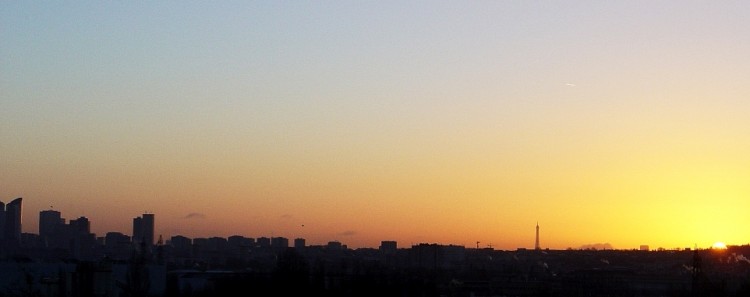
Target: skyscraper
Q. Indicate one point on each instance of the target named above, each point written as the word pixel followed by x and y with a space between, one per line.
pixel 388 247
pixel 51 227
pixel 11 217
pixel 49 223
pixel 279 242
pixel 143 229
pixel 536 244
pixel 2 223
pixel 80 226
pixel 299 243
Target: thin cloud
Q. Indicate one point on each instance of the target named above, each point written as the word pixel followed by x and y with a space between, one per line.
pixel 195 215
pixel 597 246
pixel 348 233
pixel 286 216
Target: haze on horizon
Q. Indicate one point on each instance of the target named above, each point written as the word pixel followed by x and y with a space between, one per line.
pixel 423 121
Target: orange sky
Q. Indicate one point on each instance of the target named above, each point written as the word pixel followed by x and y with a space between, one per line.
pixel 620 123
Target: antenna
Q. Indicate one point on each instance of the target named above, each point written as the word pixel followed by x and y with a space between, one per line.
pixel 536 244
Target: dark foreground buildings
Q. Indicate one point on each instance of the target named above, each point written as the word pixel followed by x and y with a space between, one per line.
pixel 66 260
pixel 240 267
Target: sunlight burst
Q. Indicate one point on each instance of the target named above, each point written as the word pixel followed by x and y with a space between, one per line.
pixel 719 246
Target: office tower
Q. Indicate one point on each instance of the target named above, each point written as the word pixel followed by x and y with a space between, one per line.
pixel 117 246
pixel 240 241
pixel 263 242
pixel 114 239
pixel 181 243
pixel 11 221
pixel 53 232
pixel 137 229
pixel 143 229
pixel 2 223
pixel 49 223
pixel 334 246
pixel 217 244
pixel 148 228
pixel 80 226
pixel 299 243
pixel 388 246
pixel 81 241
pixel 536 245
pixel 279 242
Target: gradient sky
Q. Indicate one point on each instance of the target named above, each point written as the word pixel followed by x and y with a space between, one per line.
pixel 452 122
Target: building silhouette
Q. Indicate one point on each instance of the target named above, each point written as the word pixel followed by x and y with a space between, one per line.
pixel 263 241
pixel 299 243
pixel 117 246
pixel 10 224
pixel 80 240
pixel 388 246
pixel 143 229
pixel 50 224
pixel 118 265
pixel 279 242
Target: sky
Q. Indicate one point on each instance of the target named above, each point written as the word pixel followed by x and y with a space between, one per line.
pixel 450 122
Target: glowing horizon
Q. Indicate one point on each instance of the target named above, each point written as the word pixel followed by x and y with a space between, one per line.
pixel 438 122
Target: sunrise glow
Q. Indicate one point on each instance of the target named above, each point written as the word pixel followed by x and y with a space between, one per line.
pixel 616 123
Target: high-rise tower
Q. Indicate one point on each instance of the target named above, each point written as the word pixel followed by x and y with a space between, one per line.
pixel 143 229
pixel 536 244
pixel 13 211
pixel 2 223
pixel 49 223
pixel 51 228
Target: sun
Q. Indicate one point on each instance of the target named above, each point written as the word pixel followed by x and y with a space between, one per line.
pixel 719 246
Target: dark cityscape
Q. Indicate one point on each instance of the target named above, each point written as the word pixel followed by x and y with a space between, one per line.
pixel 65 259
pixel 375 148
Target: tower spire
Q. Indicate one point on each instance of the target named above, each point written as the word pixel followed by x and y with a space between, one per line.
pixel 536 244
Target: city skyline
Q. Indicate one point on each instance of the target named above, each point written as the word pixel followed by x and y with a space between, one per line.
pixel 622 123
pixel 52 224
